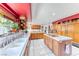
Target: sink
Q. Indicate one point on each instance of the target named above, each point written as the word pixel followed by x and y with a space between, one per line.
pixel 53 35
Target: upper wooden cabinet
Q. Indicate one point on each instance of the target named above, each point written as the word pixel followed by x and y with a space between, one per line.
pixel 69 28
pixel 36 26
pixel 59 29
pixel 76 32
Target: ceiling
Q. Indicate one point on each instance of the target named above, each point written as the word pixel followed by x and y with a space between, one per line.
pixel 18 9
pixel 42 13
pixel 46 13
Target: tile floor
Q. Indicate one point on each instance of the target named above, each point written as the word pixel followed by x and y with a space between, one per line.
pixel 38 48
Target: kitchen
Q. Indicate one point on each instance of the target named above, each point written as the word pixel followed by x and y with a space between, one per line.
pixel 39 29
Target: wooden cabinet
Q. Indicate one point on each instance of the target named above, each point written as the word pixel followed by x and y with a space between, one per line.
pixel 69 28
pixel 36 36
pixel 48 41
pixel 76 30
pixel 45 40
pixel 33 36
pixel 36 26
pixel 50 44
pixel 63 29
pixel 57 47
pixel 59 29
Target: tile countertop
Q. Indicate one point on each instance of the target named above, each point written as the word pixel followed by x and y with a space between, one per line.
pixel 36 31
pixel 16 48
pixel 60 38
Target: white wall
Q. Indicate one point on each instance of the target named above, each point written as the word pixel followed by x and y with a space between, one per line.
pixel 45 13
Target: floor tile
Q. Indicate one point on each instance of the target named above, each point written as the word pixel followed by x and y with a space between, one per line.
pixel 38 48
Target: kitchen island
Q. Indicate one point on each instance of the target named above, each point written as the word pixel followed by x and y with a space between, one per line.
pixel 59 45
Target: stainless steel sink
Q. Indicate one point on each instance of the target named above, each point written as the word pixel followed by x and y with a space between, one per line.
pixel 53 35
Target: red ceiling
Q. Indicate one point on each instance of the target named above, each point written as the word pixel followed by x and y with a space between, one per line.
pixel 18 9
pixel 21 8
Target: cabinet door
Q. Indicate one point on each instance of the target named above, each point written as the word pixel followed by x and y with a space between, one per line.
pixel 37 36
pixel 70 30
pixel 76 34
pixel 59 29
pixel 50 43
pixel 63 29
pixel 45 39
pixel 40 35
pixel 32 36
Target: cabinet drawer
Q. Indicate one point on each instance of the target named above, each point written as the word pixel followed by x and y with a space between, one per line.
pixel 37 36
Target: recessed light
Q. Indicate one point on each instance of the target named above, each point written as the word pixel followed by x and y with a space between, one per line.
pixel 53 14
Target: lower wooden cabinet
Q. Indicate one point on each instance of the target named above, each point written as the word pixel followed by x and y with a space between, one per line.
pixel 48 41
pixel 36 36
pixel 50 44
pixel 57 47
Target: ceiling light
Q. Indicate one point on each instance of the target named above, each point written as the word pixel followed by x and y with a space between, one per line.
pixel 22 17
pixel 53 14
